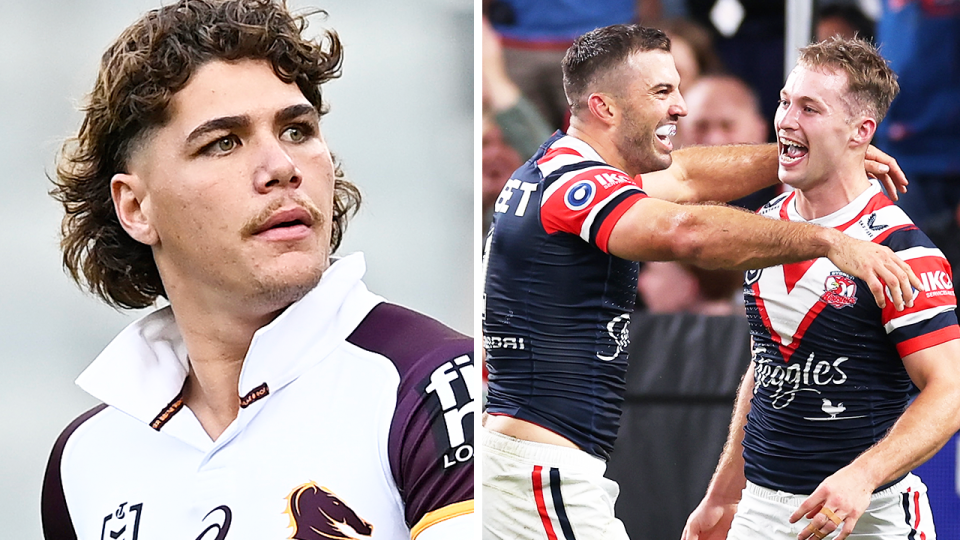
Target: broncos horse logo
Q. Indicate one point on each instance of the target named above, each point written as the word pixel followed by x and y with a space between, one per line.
pixel 317 514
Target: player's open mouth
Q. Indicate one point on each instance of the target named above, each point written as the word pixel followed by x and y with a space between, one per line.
pixel 791 151
pixel 664 133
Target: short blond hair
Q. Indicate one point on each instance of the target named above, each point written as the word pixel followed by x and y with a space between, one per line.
pixel 871 83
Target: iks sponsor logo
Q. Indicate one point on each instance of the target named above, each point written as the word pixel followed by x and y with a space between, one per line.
pixel 451 384
pixel 937 283
pixel 316 513
pixel 618 329
pixel 840 290
pixel 123 523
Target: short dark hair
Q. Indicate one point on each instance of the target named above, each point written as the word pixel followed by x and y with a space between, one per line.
pixel 871 82
pixel 139 74
pixel 597 52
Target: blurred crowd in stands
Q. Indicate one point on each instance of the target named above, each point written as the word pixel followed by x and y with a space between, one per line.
pixel 730 56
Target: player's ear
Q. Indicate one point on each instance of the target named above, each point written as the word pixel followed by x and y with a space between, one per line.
pixel 866 127
pixel 132 204
pixel 602 107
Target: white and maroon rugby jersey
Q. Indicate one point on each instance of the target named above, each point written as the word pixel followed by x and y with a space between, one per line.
pixel 829 379
pixel 557 304
pixel 355 422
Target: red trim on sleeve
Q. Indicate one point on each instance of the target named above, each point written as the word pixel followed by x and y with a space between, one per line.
pixel 933 270
pixel 595 185
pixel 926 341
pixel 603 235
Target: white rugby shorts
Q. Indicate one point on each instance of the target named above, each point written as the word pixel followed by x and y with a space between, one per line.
pixel 899 512
pixel 535 491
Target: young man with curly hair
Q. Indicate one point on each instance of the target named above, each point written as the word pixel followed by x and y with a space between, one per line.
pixel 275 397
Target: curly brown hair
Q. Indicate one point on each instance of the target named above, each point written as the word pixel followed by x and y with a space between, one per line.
pixel 139 74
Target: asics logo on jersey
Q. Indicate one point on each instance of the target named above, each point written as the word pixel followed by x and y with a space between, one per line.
pixel 580 195
pixel 619 331
pixel 445 381
pixel 841 290
pixel 221 527
pixel 789 380
pixel 318 514
pixel 122 524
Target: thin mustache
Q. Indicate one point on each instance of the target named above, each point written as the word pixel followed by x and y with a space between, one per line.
pixel 254 224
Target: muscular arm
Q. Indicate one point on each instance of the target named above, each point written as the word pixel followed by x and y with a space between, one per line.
pixel 724 237
pixel 725 173
pixel 924 427
pixel 714 173
pixel 712 517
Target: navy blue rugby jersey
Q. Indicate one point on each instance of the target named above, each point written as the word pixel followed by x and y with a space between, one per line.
pixel 557 305
pixel 828 369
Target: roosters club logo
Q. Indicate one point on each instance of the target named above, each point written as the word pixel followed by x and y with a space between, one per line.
pixel 840 290
pixel 317 514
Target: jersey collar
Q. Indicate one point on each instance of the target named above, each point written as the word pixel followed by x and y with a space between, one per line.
pixel 141 372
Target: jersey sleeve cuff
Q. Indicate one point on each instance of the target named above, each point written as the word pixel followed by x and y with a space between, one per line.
pixel 603 235
pixel 926 341
pixel 452 521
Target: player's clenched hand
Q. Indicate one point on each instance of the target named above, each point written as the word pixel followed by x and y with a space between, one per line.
pixel 709 521
pixel 886 169
pixel 842 497
pixel 878 266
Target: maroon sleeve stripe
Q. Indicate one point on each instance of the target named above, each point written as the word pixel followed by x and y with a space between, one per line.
pixel 417 345
pixel 54 514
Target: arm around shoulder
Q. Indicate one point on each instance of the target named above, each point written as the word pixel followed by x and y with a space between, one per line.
pixel 714 173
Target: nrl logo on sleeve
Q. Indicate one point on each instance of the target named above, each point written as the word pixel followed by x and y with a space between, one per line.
pixel 840 290
pixel 122 524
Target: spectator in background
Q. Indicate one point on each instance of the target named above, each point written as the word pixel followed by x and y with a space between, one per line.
pixel 921 40
pixel 692 49
pixel 750 46
pixel 843 19
pixel 723 109
pixel 499 160
pixel 673 287
pixel 512 125
pixel 536 33
pixel 945 233
pixel 522 125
